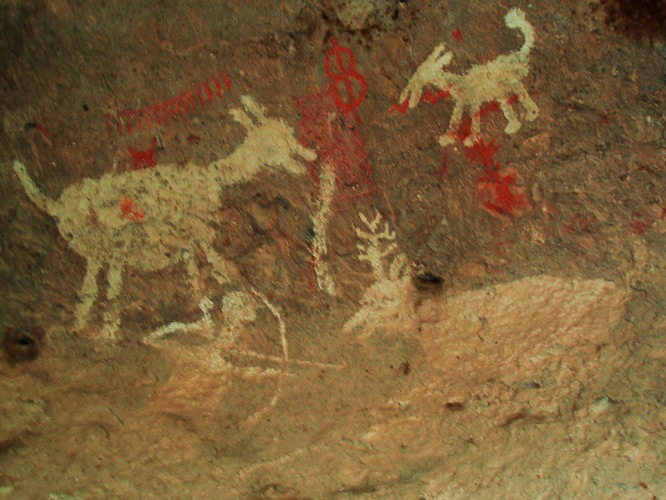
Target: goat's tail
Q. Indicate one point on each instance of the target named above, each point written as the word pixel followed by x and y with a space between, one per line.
pixel 515 19
pixel 33 192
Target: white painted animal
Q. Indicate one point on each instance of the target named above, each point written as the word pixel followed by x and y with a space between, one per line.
pixel 177 206
pixel 495 80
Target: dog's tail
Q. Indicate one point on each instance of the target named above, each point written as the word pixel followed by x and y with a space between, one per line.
pixel 515 19
pixel 33 192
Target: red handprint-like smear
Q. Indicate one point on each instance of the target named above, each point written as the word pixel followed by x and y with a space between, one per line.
pixel 339 144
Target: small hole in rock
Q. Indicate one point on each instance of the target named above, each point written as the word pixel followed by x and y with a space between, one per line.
pixel 22 344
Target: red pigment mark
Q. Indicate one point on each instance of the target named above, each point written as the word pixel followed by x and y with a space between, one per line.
pixel 400 108
pixel 496 189
pixel 427 96
pixel 433 98
pixel 344 75
pixel 42 130
pixel 193 139
pixel 499 195
pixel 325 129
pixel 130 211
pixel 457 35
pixel 144 159
pixel 483 153
pixel 174 108
pixel 639 226
pixel 663 213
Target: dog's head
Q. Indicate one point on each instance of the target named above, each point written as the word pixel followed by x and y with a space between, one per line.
pixel 425 75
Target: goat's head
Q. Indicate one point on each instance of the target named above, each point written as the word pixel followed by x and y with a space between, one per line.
pixel 270 142
pixel 425 75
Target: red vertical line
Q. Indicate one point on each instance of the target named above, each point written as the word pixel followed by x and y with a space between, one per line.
pixel 227 83
pixel 199 95
pixel 218 89
pixel 209 93
pixel 190 97
pixel 159 108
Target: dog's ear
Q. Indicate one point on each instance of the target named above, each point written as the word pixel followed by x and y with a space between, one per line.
pixel 445 59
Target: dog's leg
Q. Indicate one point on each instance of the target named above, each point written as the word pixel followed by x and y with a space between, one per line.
pixel 449 137
pixel 529 105
pixel 514 124
pixel 112 315
pixel 87 294
pixel 475 128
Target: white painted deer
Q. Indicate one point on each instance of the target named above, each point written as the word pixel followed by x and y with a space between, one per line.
pixel 495 80
pixel 177 206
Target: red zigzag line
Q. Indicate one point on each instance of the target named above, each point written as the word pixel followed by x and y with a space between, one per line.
pixel 174 107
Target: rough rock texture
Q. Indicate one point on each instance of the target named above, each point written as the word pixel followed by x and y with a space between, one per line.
pixel 306 249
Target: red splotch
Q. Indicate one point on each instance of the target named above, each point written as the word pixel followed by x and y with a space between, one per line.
pixel 130 211
pixel 496 189
pixel 499 195
pixel 144 159
pixel 193 139
pixel 483 153
pixel 457 35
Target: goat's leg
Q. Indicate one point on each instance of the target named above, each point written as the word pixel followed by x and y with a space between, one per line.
pixel 223 270
pixel 87 294
pixel 475 127
pixel 112 315
pixel 449 137
pixel 509 113
pixel 529 104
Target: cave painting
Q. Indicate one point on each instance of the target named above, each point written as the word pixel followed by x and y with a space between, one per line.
pixel 178 207
pixel 239 310
pixel 498 80
pixel 386 298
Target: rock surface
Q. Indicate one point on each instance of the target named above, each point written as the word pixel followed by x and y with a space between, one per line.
pixel 307 249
